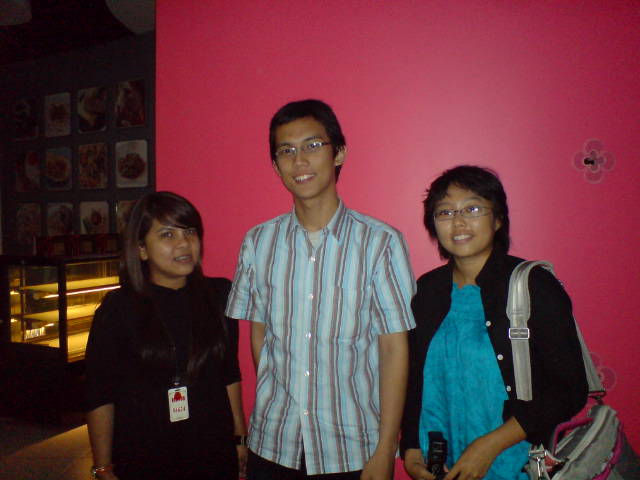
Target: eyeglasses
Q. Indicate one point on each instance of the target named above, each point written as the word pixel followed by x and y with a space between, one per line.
pixel 471 211
pixel 288 151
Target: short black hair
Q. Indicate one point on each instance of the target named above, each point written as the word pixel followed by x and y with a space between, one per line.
pixel 481 181
pixel 315 109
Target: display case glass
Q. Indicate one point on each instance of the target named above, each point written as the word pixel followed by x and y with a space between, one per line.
pixel 52 301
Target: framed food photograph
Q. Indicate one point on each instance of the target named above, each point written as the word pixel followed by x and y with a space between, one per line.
pixel 25 119
pixel 57 115
pixel 27 171
pixel 92 109
pixel 59 218
pixel 123 209
pixel 130 104
pixel 131 164
pixel 94 217
pixel 57 169
pixel 92 166
pixel 28 223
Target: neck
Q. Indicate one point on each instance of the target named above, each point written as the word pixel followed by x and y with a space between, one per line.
pixel 174 284
pixel 466 270
pixel 315 214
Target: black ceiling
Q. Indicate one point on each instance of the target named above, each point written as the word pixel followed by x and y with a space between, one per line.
pixel 58 26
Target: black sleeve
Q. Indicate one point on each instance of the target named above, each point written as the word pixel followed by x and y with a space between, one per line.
pixel 411 415
pixel 559 380
pixel 231 366
pixel 102 357
pixel 419 339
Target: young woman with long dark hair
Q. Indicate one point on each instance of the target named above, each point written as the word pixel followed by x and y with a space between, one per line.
pixel 163 382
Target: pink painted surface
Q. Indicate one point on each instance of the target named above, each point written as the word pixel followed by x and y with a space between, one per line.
pixel 420 87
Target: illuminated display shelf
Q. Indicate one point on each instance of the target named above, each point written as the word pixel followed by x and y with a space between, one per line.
pixel 75 285
pixel 73 313
pixel 51 301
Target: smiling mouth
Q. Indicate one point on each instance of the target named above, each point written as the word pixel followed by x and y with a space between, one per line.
pixel 183 258
pixel 461 237
pixel 303 178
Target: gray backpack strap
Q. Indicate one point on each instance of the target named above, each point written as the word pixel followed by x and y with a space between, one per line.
pixel 519 311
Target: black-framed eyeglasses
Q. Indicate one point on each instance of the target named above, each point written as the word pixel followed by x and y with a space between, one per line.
pixel 470 211
pixel 289 151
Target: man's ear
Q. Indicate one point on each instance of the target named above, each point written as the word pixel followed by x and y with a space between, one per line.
pixel 340 156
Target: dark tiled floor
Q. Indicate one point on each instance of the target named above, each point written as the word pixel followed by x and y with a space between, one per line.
pixel 30 451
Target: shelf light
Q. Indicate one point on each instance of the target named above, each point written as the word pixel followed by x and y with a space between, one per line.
pixel 88 290
pixel 14 292
pixel 50 325
pixel 14 320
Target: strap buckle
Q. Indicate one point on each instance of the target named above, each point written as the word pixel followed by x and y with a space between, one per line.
pixel 518 333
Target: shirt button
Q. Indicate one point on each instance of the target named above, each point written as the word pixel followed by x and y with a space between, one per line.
pixel 311 296
pixel 305 412
pixel 487 323
pixel 508 388
pixel 306 374
pixel 313 259
pixel 500 356
pixel 308 335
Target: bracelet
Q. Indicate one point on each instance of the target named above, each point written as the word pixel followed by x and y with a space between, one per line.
pixel 241 440
pixel 95 470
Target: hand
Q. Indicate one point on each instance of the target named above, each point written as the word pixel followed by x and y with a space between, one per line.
pixel 379 467
pixel 243 453
pixel 475 461
pixel 415 465
pixel 107 476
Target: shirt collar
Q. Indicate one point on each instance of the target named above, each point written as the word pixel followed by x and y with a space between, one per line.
pixel 334 227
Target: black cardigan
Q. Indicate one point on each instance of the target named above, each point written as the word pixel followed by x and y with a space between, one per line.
pixel 558 377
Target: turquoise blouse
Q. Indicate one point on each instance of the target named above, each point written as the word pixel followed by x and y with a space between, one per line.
pixel 463 389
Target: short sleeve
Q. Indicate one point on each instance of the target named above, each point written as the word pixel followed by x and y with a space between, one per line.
pixel 244 300
pixel 394 286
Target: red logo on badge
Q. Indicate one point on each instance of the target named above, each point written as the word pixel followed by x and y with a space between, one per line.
pixel 177 397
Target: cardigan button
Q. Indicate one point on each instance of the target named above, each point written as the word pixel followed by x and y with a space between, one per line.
pixel 487 323
pixel 500 356
pixel 508 388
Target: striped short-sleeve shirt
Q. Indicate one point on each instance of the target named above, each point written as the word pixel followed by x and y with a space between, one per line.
pixel 317 383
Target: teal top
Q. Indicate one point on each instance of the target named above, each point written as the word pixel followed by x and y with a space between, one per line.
pixel 463 391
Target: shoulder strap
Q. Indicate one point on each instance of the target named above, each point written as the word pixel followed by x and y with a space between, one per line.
pixel 519 311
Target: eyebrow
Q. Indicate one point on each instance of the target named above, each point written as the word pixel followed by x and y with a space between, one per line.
pixel 313 137
pixel 473 198
pixel 172 227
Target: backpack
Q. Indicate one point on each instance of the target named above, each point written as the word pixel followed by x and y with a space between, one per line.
pixel 590 448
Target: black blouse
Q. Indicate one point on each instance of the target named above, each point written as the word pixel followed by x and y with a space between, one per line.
pixel 143 434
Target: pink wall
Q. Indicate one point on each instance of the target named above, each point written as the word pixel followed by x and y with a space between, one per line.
pixel 420 87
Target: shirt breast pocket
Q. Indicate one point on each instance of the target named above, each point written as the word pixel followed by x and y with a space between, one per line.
pixel 348 312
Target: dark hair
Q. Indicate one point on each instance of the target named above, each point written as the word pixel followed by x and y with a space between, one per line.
pixel 481 181
pixel 315 109
pixel 208 335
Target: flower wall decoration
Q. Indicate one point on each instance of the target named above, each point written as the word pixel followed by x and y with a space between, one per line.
pixel 593 161
pixel 606 374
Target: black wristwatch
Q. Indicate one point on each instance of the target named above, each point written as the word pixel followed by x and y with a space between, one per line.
pixel 241 440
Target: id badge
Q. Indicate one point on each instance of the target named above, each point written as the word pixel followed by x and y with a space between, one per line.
pixel 178 404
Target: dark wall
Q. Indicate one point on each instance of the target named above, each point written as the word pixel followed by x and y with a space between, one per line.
pixel 105 65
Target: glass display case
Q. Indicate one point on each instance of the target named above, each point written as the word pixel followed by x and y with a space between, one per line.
pixel 49 303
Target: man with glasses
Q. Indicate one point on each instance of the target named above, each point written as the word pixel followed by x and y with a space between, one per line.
pixel 328 293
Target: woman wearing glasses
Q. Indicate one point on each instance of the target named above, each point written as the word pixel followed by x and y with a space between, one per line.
pixel 163 382
pixel 461 372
